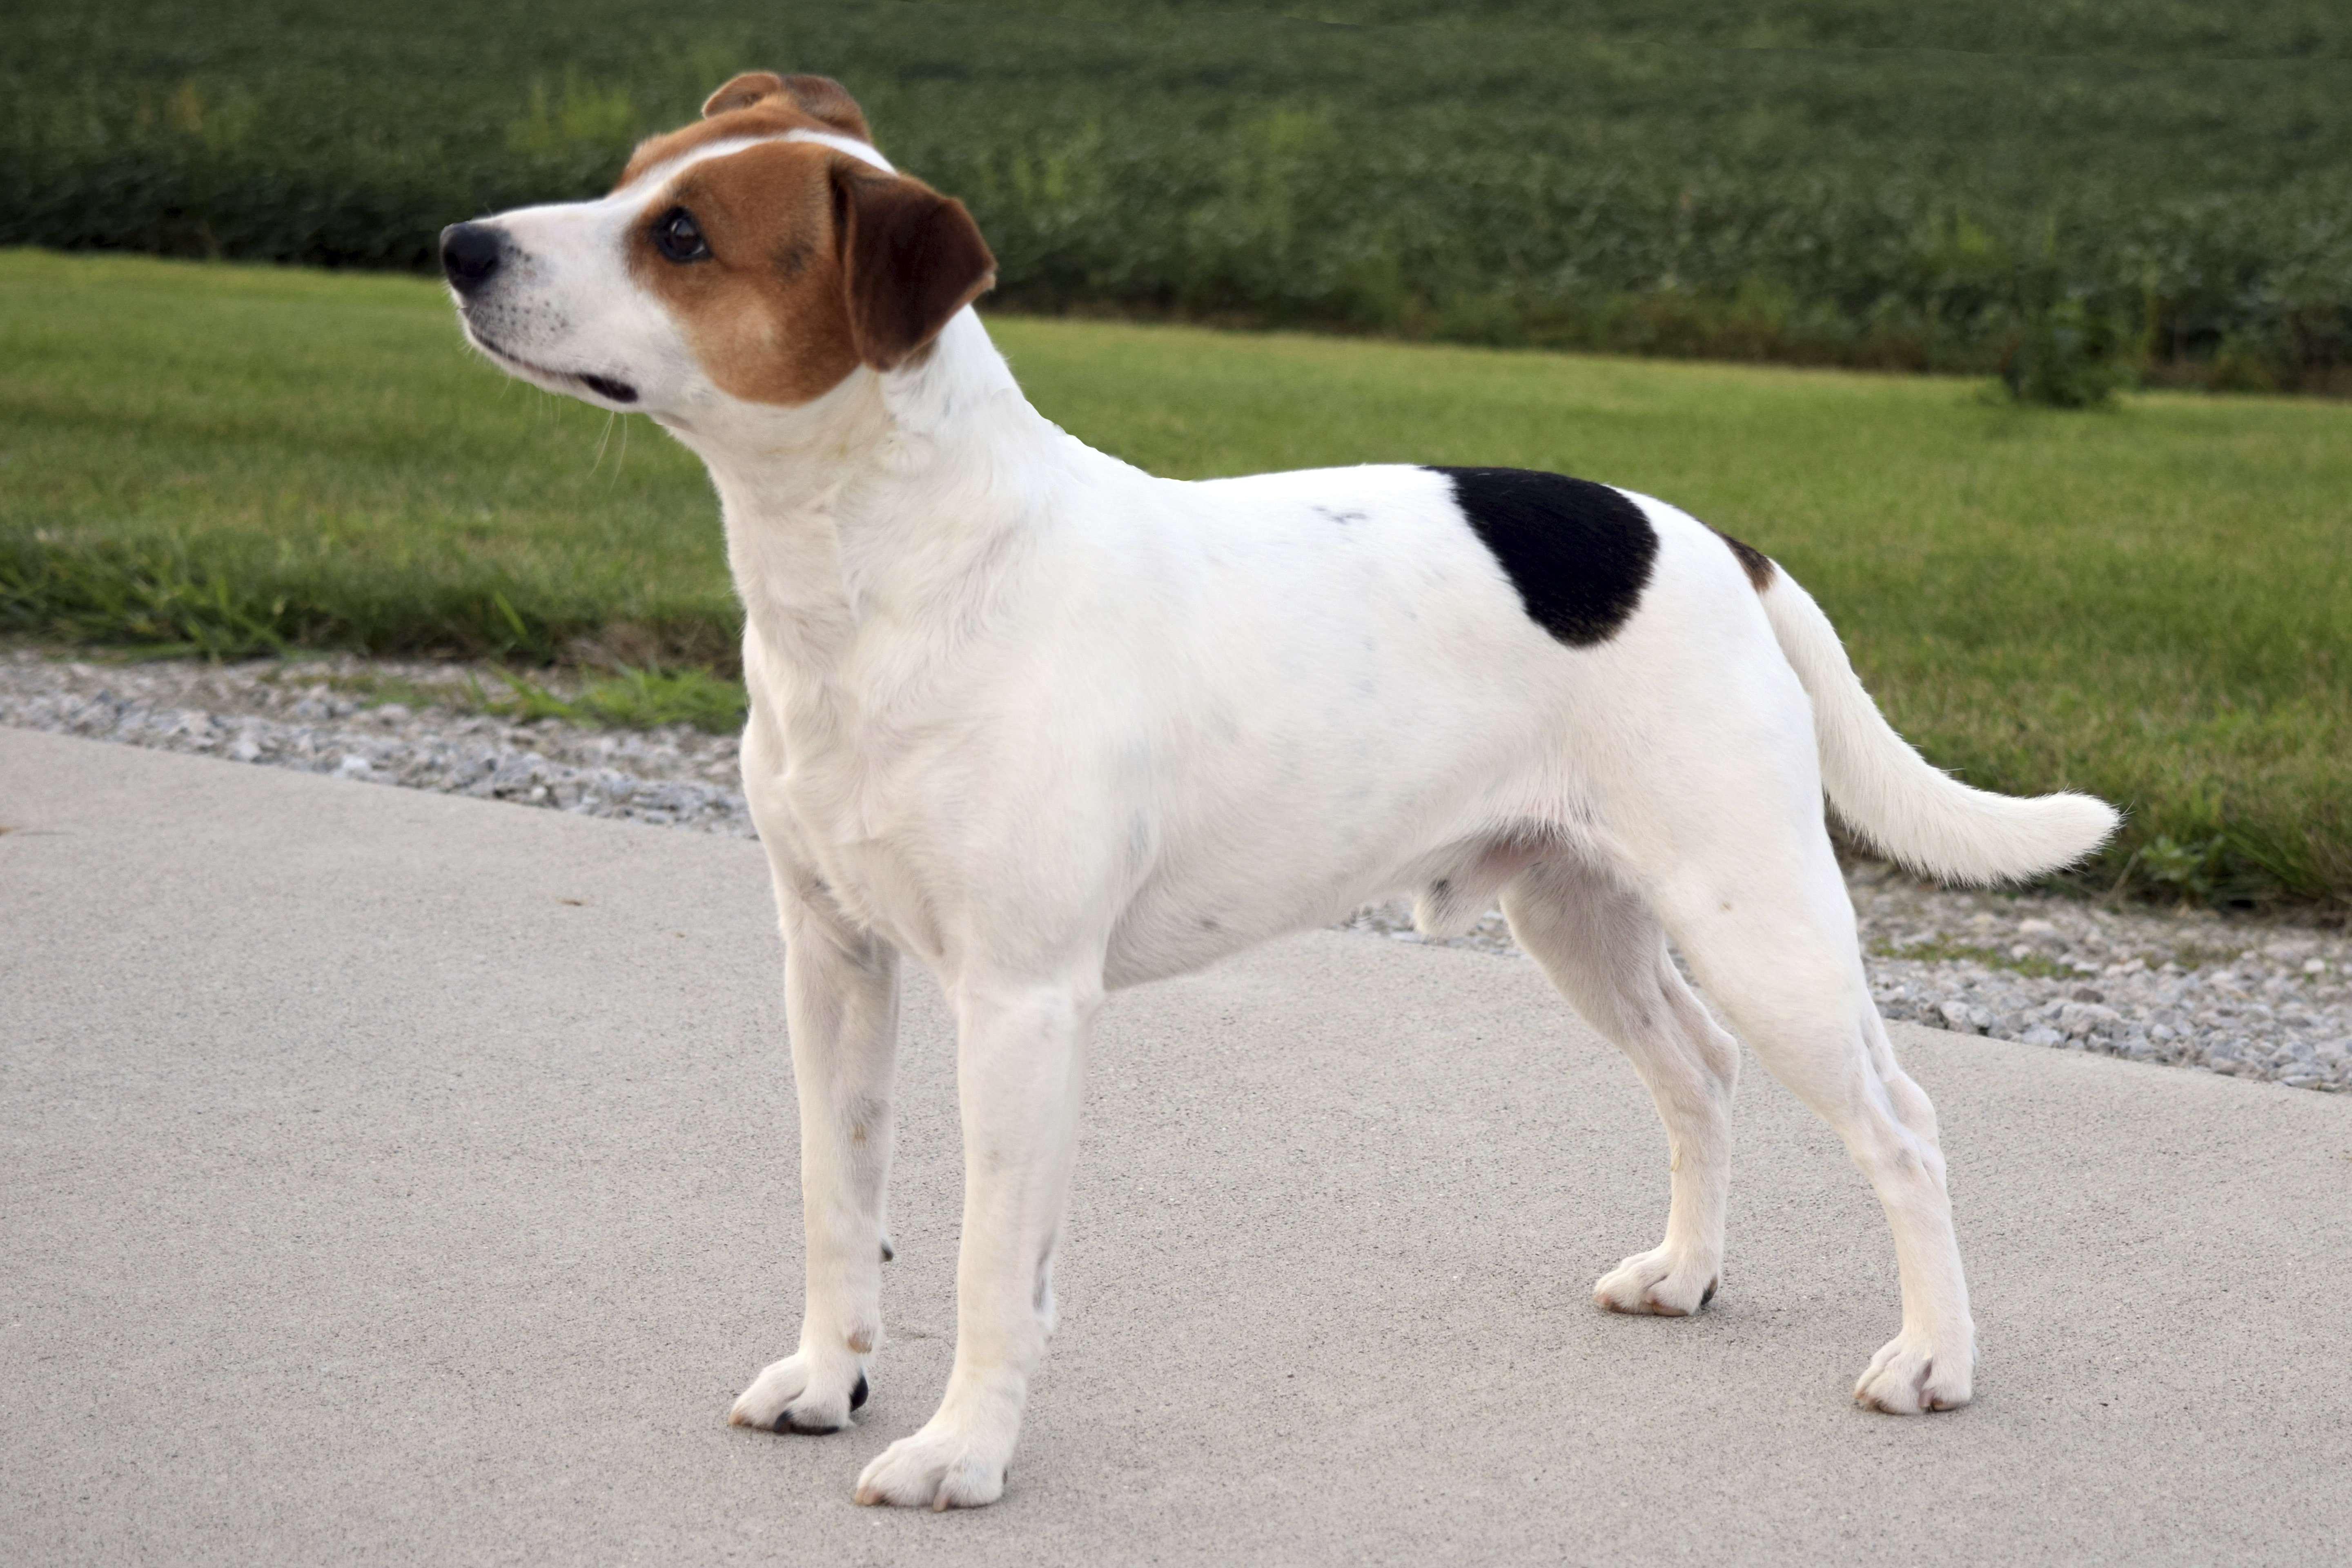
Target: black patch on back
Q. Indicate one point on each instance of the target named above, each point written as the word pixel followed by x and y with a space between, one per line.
pixel 1579 554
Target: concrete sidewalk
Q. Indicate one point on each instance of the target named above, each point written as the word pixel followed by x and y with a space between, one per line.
pixel 392 1176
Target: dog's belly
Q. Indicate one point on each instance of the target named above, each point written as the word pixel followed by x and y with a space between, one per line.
pixel 1341 792
pixel 1162 935
pixel 1174 925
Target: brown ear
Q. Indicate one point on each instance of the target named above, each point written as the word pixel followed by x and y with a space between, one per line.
pixel 910 259
pixel 742 92
pixel 820 97
pixel 823 99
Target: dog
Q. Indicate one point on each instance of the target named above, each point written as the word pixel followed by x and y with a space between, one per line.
pixel 1054 727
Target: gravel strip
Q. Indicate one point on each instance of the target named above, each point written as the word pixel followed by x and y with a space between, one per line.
pixel 2251 997
pixel 328 716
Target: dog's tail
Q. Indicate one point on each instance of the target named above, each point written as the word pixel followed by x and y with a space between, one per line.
pixel 1920 815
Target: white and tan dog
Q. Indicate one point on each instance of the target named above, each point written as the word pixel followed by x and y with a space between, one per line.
pixel 1054 726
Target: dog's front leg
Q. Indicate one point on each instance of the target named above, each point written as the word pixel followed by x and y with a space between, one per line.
pixel 1020 1064
pixel 841 1004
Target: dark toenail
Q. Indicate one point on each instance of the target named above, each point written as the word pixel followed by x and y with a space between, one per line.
pixel 888 1252
pixel 1709 1294
pixel 858 1395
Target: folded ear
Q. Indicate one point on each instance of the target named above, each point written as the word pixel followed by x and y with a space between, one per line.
pixel 910 259
pixel 820 97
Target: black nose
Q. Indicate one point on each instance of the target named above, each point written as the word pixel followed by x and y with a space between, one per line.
pixel 469 254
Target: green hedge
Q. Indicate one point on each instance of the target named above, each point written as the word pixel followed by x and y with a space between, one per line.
pixel 2160 191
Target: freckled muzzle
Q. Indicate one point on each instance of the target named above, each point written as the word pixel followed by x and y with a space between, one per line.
pixel 472 256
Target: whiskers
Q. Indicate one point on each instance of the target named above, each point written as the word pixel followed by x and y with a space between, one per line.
pixel 612 416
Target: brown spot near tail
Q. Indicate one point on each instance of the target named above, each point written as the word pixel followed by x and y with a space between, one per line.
pixel 1752 561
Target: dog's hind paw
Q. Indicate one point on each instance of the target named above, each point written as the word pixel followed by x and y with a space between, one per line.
pixel 1910 1375
pixel 1664 1283
pixel 937 1468
pixel 801 1394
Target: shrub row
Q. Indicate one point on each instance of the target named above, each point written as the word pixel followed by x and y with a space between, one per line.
pixel 2066 220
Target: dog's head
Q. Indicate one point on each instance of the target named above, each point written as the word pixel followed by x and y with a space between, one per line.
pixel 762 255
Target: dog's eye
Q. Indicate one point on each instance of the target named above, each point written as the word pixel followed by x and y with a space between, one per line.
pixel 677 236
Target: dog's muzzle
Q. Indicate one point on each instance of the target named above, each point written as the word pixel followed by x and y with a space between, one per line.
pixel 471 255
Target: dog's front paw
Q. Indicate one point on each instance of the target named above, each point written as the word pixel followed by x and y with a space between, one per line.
pixel 801 1393
pixel 1665 1282
pixel 1910 1375
pixel 941 1467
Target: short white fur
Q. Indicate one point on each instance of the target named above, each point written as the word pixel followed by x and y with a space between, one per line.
pixel 1054 726
pixel 839 144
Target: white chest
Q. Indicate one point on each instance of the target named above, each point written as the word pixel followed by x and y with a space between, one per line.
pixel 855 803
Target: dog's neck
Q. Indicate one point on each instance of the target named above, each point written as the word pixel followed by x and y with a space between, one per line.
pixel 875 503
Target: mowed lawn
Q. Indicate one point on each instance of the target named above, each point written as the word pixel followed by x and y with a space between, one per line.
pixel 2154 602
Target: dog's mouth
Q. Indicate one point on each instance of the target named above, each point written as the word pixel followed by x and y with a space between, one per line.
pixel 603 386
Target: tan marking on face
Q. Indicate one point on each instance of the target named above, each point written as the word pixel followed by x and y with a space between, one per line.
pixel 767 314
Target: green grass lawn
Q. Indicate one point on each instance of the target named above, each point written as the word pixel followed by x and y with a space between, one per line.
pixel 2153 603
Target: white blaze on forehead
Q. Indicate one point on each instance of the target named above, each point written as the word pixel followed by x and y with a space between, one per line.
pixel 669 167
pixel 848 144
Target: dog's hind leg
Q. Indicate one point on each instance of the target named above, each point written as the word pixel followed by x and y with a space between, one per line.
pixel 1779 956
pixel 1020 1061
pixel 1607 954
